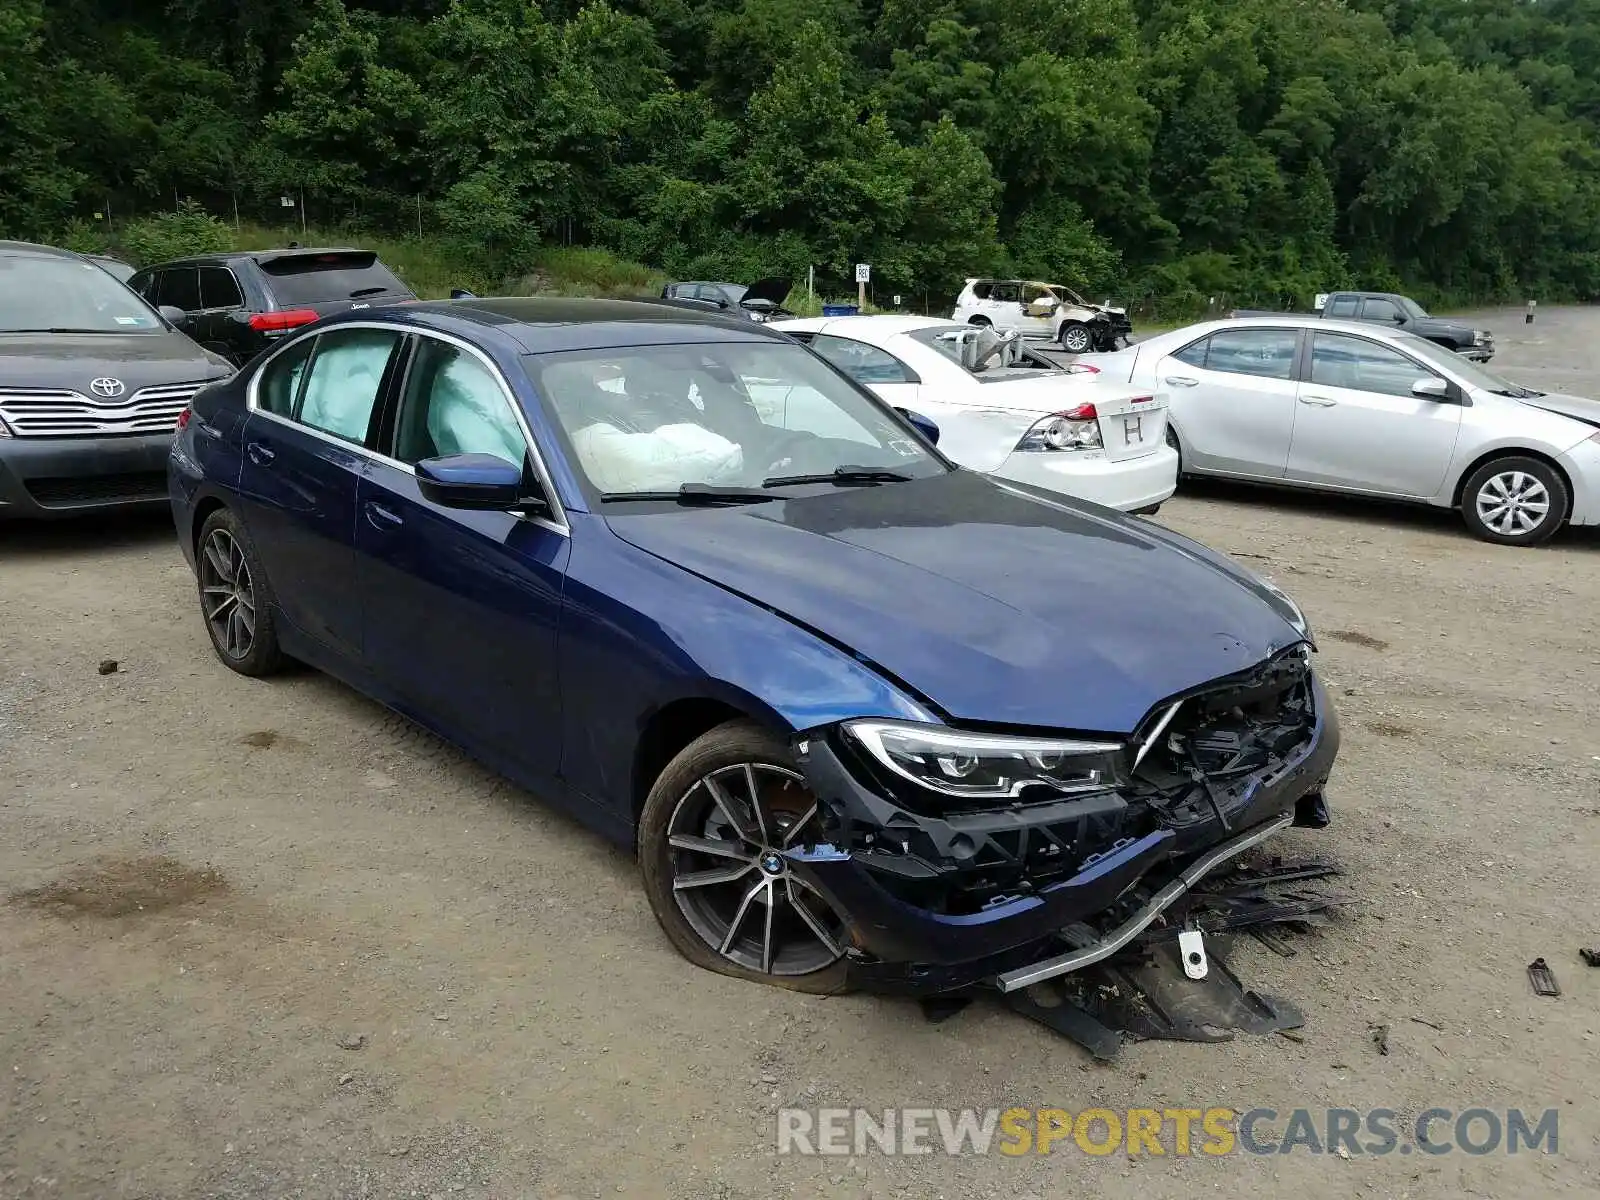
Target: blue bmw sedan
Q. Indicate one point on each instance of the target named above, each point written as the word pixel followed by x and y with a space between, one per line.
pixel 865 717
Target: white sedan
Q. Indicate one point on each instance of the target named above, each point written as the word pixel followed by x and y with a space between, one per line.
pixel 1003 410
pixel 1353 407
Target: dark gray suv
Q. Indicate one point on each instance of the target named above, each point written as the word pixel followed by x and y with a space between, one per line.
pixel 92 383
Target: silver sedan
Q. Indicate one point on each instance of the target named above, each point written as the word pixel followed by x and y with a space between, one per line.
pixel 1348 407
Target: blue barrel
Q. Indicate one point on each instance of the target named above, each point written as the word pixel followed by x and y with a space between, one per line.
pixel 839 310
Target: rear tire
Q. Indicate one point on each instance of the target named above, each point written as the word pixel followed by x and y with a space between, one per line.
pixel 1177 446
pixel 699 822
pixel 1515 501
pixel 236 600
pixel 980 322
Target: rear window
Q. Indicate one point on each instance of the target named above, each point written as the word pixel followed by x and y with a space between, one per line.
pixel 320 278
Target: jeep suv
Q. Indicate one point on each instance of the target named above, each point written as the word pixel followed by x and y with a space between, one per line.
pixel 239 304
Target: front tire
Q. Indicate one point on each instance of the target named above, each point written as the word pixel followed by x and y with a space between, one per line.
pixel 980 322
pixel 1076 338
pixel 711 842
pixel 1177 446
pixel 1515 501
pixel 236 600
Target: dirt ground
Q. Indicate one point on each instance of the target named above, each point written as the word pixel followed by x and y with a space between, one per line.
pixel 262 939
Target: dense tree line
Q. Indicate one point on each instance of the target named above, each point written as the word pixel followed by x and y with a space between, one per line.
pixel 1185 148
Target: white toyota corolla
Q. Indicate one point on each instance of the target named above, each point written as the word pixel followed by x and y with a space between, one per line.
pixel 1005 410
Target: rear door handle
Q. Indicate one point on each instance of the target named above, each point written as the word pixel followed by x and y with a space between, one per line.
pixel 1318 401
pixel 380 517
pixel 259 454
pixel 1182 381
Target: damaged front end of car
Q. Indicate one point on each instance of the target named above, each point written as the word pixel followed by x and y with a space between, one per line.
pixel 962 858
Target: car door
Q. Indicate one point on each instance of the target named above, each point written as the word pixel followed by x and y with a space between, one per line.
pixel 221 299
pixel 179 287
pixel 462 608
pixel 1004 305
pixel 311 415
pixel 1381 311
pixel 1360 425
pixel 1037 324
pixel 1233 400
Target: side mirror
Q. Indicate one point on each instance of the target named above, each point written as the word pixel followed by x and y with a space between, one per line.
pixel 1431 388
pixel 924 425
pixel 175 317
pixel 481 482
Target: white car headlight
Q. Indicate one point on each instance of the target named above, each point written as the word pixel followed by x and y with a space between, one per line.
pixel 1076 429
pixel 983 766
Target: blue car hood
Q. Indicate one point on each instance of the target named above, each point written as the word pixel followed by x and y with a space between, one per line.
pixel 995 603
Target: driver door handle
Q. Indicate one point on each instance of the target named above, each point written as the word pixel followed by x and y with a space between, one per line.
pixel 1318 401
pixel 1182 381
pixel 380 517
pixel 259 454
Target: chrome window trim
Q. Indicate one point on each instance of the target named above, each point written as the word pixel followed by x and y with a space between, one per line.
pixel 557 523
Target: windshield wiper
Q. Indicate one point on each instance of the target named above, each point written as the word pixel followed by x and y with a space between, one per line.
pixel 842 475
pixel 65 329
pixel 367 291
pixel 1517 393
pixel 697 493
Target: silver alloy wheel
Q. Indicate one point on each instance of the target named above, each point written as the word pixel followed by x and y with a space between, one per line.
pixel 1513 503
pixel 227 595
pixel 732 881
pixel 1075 339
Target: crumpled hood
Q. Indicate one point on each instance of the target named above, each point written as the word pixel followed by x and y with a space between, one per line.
pixel 773 290
pixel 71 360
pixel 994 602
pixel 1577 407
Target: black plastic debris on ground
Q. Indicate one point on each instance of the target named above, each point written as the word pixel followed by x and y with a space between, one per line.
pixel 1592 957
pixel 1142 992
pixel 1543 978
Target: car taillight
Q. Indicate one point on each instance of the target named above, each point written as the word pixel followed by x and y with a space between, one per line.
pixel 183 419
pixel 1084 412
pixel 1140 399
pixel 277 322
pixel 1076 429
pixel 1079 368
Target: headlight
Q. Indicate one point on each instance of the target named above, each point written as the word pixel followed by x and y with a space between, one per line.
pixel 1076 429
pixel 983 766
pixel 1481 337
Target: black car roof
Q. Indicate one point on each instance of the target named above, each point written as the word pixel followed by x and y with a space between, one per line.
pixel 547 323
pixel 258 256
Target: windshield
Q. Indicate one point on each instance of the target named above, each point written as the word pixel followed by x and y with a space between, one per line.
pixel 332 276
pixel 1411 308
pixel 650 419
pixel 40 294
pixel 1465 369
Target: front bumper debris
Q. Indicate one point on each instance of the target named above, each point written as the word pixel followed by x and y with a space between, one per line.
pixel 1007 897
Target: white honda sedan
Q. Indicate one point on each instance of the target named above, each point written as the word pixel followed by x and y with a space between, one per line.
pixel 1352 407
pixel 1004 410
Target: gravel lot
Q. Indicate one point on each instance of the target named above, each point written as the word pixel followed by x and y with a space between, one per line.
pixel 211 887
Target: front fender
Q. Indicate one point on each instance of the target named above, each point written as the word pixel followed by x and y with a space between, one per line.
pixel 639 633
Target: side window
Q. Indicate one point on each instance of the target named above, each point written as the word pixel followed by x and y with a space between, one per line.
pixel 341 388
pixel 863 363
pixel 179 287
pixel 453 404
pixel 279 389
pixel 219 289
pixel 1195 353
pixel 1268 353
pixel 980 291
pixel 1342 361
pixel 144 283
pixel 1342 306
pixel 1375 309
pixel 1006 293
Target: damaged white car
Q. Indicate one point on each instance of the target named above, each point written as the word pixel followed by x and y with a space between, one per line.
pixel 1043 311
pixel 1003 409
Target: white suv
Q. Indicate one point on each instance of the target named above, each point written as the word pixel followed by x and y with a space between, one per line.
pixel 1047 311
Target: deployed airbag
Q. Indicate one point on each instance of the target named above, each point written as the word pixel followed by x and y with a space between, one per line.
pixel 660 460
